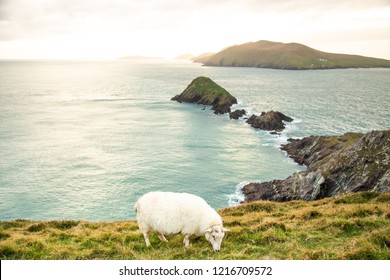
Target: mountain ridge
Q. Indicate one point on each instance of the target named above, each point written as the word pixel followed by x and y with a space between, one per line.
pixel 290 56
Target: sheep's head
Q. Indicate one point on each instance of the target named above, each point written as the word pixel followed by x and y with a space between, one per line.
pixel 215 235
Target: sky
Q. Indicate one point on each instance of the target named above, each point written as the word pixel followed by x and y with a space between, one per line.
pixel 108 29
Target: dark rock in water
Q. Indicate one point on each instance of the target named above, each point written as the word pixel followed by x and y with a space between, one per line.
pixel 335 164
pixel 204 91
pixel 237 114
pixel 271 121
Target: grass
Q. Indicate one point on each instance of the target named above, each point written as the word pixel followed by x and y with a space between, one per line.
pixel 354 226
pixel 203 90
pixel 208 91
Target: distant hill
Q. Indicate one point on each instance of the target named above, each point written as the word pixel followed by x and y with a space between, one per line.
pixel 138 57
pixel 185 56
pixel 266 54
pixel 203 58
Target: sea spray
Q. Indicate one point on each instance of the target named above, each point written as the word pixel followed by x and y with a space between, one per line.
pixel 238 197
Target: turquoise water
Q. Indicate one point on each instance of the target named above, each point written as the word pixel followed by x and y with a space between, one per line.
pixel 83 140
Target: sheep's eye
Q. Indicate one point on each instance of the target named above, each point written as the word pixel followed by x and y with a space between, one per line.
pixel 214 237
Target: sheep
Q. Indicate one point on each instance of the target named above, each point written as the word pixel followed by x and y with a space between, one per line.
pixel 172 213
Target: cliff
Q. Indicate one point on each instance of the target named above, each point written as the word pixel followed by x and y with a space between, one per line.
pixel 203 90
pixel 335 164
pixel 294 56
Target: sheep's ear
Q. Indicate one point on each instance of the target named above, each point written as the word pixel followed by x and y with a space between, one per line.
pixel 209 230
pixel 225 229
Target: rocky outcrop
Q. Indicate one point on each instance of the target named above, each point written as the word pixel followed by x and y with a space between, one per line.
pixel 204 91
pixel 271 121
pixel 237 114
pixel 335 165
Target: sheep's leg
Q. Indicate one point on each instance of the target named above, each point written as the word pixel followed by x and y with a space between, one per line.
pixel 162 237
pixel 186 240
pixel 145 231
pixel 146 237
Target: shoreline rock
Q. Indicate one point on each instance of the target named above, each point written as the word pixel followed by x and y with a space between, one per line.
pixel 352 162
pixel 237 114
pixel 270 121
pixel 203 90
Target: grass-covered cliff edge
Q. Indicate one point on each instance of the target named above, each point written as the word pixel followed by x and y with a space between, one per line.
pixel 353 226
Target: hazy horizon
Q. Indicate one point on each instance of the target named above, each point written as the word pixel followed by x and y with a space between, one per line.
pixel 109 29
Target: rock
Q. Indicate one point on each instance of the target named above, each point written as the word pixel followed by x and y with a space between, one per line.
pixel 203 90
pixel 237 114
pixel 304 185
pixel 271 121
pixel 335 164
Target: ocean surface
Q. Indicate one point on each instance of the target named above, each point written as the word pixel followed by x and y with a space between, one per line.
pixel 84 140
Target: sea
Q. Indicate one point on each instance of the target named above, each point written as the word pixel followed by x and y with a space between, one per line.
pixel 83 140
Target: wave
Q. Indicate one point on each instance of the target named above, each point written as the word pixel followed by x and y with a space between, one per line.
pixel 238 197
pixel 282 136
pixel 241 105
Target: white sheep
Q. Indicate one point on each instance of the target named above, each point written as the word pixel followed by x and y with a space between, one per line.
pixel 172 213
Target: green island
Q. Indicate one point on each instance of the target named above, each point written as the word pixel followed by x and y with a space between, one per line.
pixel 351 226
pixel 205 91
pixel 292 56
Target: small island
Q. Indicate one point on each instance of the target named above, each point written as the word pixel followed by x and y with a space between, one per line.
pixel 237 114
pixel 203 90
pixel 270 121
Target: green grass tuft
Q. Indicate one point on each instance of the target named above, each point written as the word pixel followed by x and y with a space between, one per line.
pixel 63 224
pixel 357 198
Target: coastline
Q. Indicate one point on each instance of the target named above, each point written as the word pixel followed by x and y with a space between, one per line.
pixel 335 165
pixel 358 162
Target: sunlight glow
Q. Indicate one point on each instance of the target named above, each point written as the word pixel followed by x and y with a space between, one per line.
pixel 100 30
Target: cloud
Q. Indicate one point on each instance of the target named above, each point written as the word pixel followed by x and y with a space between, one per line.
pixel 24 19
pixel 317 6
pixel 193 25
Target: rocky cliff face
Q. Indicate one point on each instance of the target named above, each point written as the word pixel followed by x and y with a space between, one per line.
pixel 203 90
pixel 335 164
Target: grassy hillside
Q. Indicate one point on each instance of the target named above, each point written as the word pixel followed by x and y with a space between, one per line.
pixel 355 226
pixel 203 90
pixel 266 54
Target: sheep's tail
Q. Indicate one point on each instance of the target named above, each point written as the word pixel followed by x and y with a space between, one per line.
pixel 136 207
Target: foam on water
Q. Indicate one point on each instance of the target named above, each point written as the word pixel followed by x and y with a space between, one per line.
pixel 237 197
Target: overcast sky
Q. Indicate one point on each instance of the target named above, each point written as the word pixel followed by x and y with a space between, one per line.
pixel 107 29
